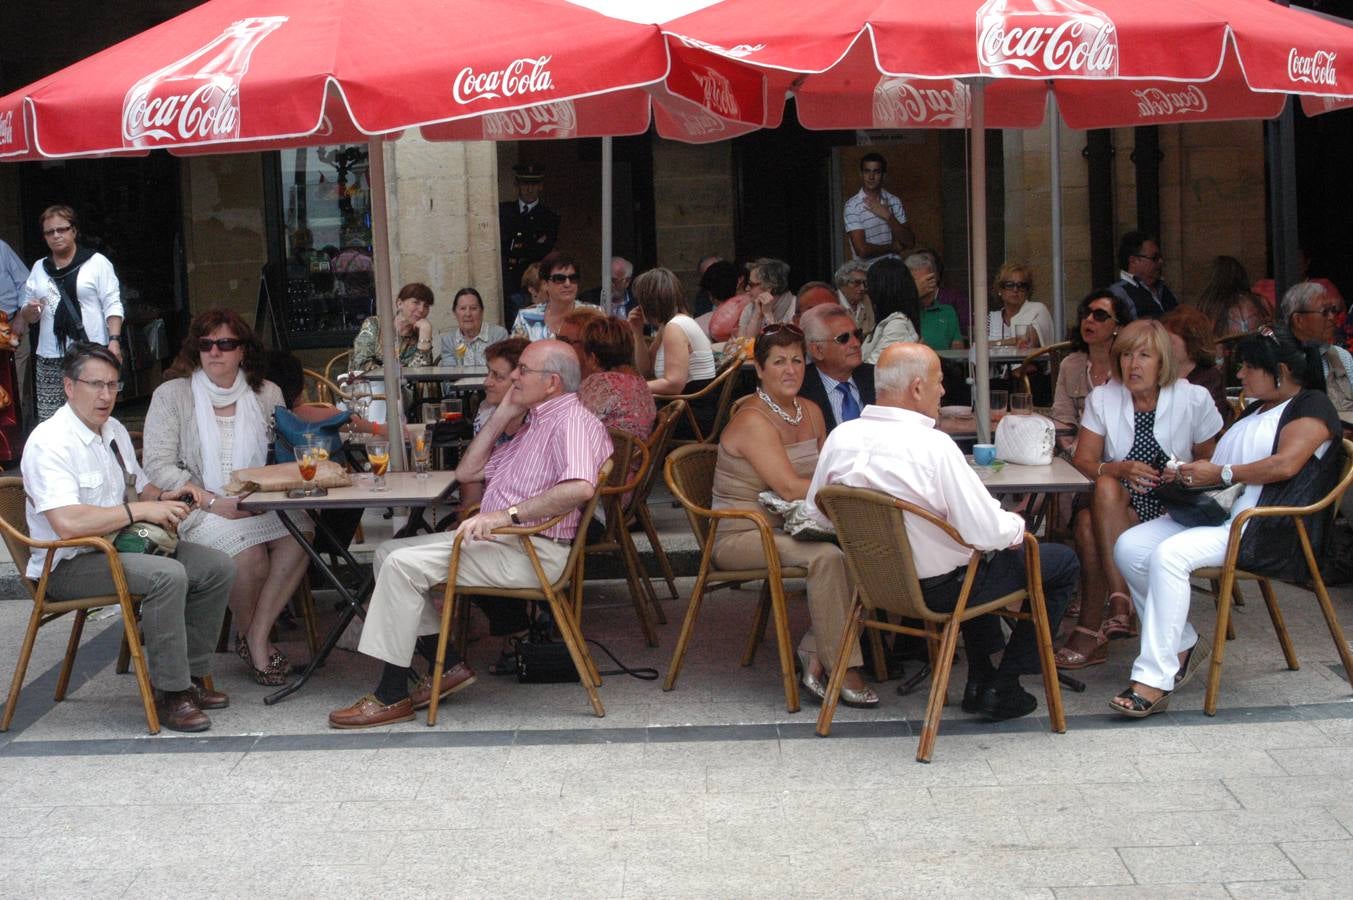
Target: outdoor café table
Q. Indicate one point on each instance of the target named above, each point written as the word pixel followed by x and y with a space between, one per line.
pixel 459 378
pixel 406 489
pixel 1057 477
pixel 964 427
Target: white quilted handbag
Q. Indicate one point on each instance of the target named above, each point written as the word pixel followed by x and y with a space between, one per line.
pixel 1026 440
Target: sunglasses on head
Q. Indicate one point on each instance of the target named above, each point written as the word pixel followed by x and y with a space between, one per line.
pixel 225 345
pixel 777 327
pixel 561 278
pixel 1099 315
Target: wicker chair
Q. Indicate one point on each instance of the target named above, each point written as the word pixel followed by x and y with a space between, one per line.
pixel 337 365
pixel 724 382
pixel 1227 574
pixel 1052 352
pixel 319 389
pixel 639 512
pixel 689 473
pixel 872 530
pixel 629 467
pixel 14 525
pixel 554 593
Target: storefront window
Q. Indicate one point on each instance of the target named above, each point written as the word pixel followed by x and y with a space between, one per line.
pixel 330 277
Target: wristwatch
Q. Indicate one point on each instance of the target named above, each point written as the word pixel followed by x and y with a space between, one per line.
pixel 114 337
pixel 1226 475
pixel 512 512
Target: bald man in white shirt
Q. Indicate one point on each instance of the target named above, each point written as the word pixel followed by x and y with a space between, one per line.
pixel 894 447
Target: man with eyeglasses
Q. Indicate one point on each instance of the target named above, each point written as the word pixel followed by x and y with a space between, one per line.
pixel 837 379
pixel 852 290
pixel 876 221
pixel 76 487
pixel 1309 312
pixel 1139 280
pixel 549 468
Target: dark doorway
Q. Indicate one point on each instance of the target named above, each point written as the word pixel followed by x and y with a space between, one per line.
pixel 784 208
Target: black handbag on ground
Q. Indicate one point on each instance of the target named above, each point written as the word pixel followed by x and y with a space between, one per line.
pixel 543 660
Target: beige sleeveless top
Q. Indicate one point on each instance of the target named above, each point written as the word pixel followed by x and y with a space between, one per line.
pixel 736 484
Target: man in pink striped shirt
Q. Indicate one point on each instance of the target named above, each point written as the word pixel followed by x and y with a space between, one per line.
pixel 548 468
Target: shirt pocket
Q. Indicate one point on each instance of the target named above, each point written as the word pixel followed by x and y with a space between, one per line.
pixel 91 487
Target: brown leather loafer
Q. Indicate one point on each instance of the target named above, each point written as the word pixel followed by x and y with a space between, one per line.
pixel 368 712
pixel 205 698
pixel 178 711
pixel 453 679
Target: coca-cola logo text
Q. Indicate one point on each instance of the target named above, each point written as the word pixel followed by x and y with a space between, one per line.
pixel 208 111
pixel 901 103
pixel 556 120
pixel 1048 49
pixel 718 92
pixel 7 127
pixel 738 51
pixel 1317 68
pixel 516 79
pixel 696 123
pixel 1154 103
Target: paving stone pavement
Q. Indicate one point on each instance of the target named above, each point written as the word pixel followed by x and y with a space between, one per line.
pixel 711 790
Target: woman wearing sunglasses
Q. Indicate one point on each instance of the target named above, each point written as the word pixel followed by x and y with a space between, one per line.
pixel 772 444
pixel 211 416
pixel 1090 362
pixel 559 277
pixel 75 295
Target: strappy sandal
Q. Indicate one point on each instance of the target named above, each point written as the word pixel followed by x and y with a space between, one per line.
pixel 1199 652
pixel 1066 658
pixel 1120 625
pixel 1139 707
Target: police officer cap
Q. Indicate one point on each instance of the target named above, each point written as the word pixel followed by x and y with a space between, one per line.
pixel 531 173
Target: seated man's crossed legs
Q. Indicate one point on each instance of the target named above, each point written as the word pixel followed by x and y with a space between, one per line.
pixel 402 618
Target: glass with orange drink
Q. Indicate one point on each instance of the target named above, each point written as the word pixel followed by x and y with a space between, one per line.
pixel 378 454
pixel 422 452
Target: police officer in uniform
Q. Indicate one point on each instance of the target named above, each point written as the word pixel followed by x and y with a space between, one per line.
pixel 527 230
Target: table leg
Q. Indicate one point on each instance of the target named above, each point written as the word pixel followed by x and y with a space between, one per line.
pixel 352 603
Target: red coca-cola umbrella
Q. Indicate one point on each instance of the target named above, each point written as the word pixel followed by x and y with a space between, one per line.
pixel 979 63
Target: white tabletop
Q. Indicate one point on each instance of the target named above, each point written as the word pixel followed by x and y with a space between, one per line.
pixel 406 489
pixel 994 354
pixel 1058 477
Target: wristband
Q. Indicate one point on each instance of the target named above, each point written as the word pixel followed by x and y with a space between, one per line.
pixel 114 337
pixel 128 508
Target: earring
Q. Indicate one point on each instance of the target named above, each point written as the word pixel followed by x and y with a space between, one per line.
pixel 1277 381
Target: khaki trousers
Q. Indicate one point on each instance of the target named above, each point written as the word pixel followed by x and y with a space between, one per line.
pixel 407 569
pixel 829 592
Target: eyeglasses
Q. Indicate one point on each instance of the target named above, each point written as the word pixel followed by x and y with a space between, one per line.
pixel 524 369
pixel 1016 285
pixel 561 278
pixel 225 345
pixel 1155 257
pixel 1328 312
pixel 777 327
pixel 844 337
pixel 857 282
pixel 53 232
pixel 1099 315
pixel 99 387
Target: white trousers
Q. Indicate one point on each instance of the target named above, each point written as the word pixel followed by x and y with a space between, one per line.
pixel 1156 558
pixel 407 569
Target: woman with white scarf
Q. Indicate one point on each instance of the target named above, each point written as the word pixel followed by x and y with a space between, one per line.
pixel 211 417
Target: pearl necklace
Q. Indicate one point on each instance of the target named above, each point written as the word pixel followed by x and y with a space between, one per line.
pixel 775 407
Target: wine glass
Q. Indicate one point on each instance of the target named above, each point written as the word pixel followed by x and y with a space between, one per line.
pixel 360 403
pixel 378 453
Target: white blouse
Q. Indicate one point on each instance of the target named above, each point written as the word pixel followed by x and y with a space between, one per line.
pixel 1185 416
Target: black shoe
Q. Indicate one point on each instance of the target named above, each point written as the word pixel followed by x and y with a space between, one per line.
pixel 972 695
pixel 999 704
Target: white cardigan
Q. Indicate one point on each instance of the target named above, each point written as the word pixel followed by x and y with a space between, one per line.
pixel 1185 416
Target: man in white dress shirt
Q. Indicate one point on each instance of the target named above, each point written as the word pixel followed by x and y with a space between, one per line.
pixel 894 447
pixel 75 486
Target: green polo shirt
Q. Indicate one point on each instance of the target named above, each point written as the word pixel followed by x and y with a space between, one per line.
pixel 939 326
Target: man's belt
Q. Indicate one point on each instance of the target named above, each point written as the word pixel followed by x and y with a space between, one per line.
pixel 935 581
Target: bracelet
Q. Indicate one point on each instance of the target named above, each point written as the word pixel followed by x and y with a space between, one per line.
pixel 114 337
pixel 211 502
pixel 128 508
pixel 1100 470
